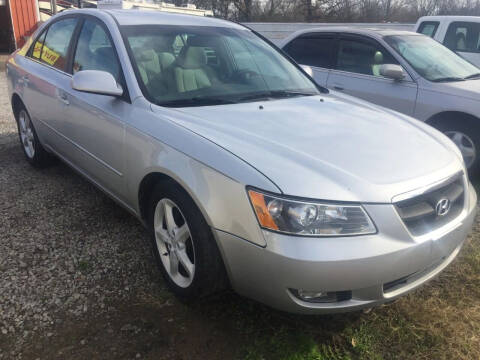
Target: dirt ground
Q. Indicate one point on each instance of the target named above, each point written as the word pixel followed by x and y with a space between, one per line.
pixel 78 281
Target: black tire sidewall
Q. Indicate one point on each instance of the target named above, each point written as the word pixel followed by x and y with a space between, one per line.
pixel 206 278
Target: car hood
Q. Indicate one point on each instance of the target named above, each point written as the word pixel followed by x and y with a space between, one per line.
pixel 327 147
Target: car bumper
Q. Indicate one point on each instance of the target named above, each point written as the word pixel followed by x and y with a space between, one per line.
pixel 371 269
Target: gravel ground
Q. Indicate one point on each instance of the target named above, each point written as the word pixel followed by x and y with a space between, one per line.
pixel 66 250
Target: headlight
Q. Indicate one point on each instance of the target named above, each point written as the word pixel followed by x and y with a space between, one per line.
pixel 309 218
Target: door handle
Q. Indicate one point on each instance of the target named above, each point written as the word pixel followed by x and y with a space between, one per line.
pixel 338 88
pixel 24 80
pixel 64 98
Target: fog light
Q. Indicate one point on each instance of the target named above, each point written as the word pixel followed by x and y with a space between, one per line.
pixel 309 295
pixel 321 297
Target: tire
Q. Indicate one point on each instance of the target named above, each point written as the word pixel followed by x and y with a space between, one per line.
pixel 34 152
pixel 208 276
pixel 464 133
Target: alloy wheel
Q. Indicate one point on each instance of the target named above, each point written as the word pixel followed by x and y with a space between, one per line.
pixel 174 243
pixel 26 134
pixel 466 146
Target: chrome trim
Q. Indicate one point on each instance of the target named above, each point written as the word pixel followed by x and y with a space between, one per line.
pixel 428 188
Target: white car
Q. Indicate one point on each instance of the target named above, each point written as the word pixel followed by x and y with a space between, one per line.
pixel 400 70
pixel 459 33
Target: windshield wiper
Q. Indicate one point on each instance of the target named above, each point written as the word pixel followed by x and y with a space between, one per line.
pixel 275 94
pixel 473 76
pixel 288 93
pixel 196 101
pixel 449 79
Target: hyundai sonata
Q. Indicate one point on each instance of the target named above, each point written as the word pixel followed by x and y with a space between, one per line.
pixel 245 173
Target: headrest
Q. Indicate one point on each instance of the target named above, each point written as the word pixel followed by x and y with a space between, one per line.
pixel 378 58
pixel 194 58
pixel 144 55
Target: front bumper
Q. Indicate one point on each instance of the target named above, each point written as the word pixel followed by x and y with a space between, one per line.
pixel 374 269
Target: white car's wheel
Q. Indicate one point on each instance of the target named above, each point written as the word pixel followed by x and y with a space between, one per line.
pixel 465 133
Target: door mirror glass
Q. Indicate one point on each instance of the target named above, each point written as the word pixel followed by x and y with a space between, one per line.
pixel 96 82
pixel 392 71
pixel 307 69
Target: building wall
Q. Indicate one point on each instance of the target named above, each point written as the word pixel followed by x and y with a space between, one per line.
pixel 24 19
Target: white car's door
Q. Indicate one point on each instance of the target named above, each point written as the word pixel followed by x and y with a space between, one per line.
pixel 357 73
pixel 314 50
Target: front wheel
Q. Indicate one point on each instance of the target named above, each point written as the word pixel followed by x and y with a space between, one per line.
pixel 183 244
pixel 466 135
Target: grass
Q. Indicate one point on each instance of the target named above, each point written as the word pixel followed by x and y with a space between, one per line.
pixel 439 321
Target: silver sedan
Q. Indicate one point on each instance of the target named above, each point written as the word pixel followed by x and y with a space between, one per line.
pixel 244 171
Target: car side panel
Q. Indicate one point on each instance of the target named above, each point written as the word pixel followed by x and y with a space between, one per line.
pixel 38 85
pixel 431 102
pixel 199 166
pixel 399 96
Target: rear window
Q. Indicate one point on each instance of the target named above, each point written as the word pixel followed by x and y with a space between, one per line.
pixel 463 37
pixel 428 28
pixel 311 50
pixel 52 49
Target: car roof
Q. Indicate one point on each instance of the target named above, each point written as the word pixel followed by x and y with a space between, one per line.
pixel 139 17
pixel 371 32
pixel 450 18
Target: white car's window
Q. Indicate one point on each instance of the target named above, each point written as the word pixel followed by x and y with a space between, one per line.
pixel 423 54
pixel 194 66
pixel 95 51
pixel 56 43
pixel 428 28
pixel 463 37
pixel 362 57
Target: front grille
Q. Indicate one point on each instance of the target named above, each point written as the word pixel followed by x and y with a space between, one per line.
pixel 424 213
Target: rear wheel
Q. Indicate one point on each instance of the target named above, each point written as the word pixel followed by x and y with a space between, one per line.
pixel 32 148
pixel 183 244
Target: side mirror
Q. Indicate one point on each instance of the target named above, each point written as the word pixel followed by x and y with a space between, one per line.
pixel 392 71
pixel 307 69
pixel 96 82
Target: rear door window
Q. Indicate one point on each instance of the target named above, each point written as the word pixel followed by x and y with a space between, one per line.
pixel 37 47
pixel 428 28
pixel 312 50
pixel 57 41
pixel 463 37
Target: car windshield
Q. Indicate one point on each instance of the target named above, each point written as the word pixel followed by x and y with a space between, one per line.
pixel 432 60
pixel 180 66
